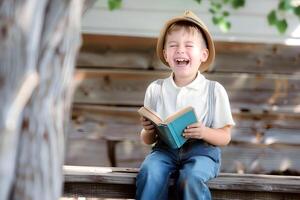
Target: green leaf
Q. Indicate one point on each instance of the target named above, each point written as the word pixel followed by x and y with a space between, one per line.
pixel 297 11
pixel 114 4
pixel 216 20
pixel 226 13
pixel 237 3
pixel 226 1
pixel 281 26
pixel 198 1
pixel 219 6
pixel 212 11
pixel 284 5
pixel 216 6
pixel 224 26
pixel 272 18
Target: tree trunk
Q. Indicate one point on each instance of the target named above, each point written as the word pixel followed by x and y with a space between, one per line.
pixel 39 40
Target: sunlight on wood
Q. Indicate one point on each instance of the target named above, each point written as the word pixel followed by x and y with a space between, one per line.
pixel 81 169
pixel 270 140
pixel 285 164
pixel 297 109
pixel 22 96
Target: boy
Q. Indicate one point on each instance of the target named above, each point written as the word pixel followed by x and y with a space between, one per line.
pixel 186 46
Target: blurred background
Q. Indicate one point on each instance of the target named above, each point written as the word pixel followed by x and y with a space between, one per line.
pixel 257 63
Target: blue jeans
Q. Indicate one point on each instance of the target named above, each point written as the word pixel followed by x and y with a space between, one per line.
pixel 193 171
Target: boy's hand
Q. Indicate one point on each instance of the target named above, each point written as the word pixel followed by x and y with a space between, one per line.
pixel 147 125
pixel 195 131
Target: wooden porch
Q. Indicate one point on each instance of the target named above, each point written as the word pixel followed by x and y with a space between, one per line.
pixel 262 81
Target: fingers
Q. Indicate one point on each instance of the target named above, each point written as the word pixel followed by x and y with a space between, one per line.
pixel 196 135
pixel 145 122
pixel 148 126
pixel 196 125
pixel 194 131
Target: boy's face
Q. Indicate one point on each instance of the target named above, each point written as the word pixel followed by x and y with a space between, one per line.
pixel 184 53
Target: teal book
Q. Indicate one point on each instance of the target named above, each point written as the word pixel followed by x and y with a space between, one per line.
pixel 171 129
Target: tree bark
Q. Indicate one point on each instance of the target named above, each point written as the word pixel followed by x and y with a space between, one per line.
pixel 39 40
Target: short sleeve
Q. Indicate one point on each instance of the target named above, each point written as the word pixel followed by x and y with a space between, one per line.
pixel 151 95
pixel 223 115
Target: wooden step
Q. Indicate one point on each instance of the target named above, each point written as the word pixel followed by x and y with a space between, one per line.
pixel 107 182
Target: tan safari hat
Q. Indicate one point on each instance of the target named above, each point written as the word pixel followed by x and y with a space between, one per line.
pixel 190 17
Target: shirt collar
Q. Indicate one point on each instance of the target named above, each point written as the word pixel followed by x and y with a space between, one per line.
pixel 195 84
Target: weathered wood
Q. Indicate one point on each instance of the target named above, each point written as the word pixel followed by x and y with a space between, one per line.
pixel 247 124
pixel 127 87
pixel 261 142
pixel 231 56
pixel 247 154
pixel 256 158
pixel 138 60
pixel 120 183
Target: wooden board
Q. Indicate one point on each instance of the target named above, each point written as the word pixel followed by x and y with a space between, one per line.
pixel 262 159
pixel 120 183
pixel 246 91
pixel 257 146
pixel 137 52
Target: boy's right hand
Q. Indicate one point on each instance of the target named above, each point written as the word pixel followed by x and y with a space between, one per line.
pixel 147 125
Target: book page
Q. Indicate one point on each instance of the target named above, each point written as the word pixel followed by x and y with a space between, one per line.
pixel 150 114
pixel 178 113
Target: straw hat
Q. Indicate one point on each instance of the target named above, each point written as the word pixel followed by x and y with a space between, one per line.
pixel 190 17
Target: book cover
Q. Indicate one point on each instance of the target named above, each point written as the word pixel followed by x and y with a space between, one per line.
pixel 171 129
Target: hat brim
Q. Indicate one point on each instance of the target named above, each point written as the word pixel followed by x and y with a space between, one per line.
pixel 190 17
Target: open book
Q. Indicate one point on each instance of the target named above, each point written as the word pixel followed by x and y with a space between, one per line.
pixel 171 129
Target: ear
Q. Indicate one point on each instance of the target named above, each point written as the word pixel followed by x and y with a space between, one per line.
pixel 165 55
pixel 204 54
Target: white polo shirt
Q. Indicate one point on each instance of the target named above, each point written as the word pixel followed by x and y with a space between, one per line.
pixel 165 98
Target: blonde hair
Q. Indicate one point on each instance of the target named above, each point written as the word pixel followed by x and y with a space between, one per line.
pixel 189 28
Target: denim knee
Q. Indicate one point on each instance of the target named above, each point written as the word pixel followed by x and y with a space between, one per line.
pixel 191 179
pixel 153 177
pixel 154 171
pixel 192 186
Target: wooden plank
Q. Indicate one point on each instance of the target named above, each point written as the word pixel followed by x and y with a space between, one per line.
pixel 137 52
pixel 256 158
pixel 112 87
pixel 123 123
pixel 100 43
pixel 107 182
pixel 129 60
pixel 247 152
pixel 257 145
pixel 127 87
pixel 257 58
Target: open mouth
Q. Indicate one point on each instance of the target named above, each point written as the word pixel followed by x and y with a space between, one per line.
pixel 182 61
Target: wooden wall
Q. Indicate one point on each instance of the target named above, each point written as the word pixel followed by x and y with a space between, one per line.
pixel 262 81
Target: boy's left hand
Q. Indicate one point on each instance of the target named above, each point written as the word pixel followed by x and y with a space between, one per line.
pixel 195 131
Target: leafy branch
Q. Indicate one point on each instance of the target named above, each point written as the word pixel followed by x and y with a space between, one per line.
pixel 220 14
pixel 114 4
pixel 277 18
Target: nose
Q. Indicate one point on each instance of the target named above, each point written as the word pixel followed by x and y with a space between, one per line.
pixel 180 49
